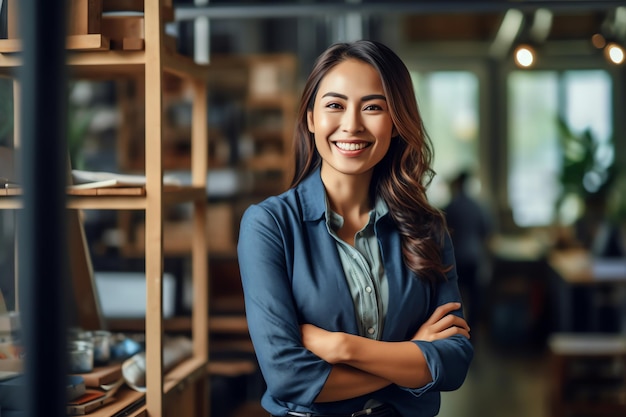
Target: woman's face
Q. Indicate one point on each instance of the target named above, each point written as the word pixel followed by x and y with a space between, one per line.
pixel 350 119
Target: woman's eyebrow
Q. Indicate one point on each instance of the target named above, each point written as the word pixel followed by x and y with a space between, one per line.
pixel 364 98
pixel 331 94
pixel 374 97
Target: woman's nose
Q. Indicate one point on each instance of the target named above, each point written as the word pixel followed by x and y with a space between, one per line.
pixel 351 121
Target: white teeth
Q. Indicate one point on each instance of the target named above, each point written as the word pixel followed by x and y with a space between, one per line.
pixel 350 146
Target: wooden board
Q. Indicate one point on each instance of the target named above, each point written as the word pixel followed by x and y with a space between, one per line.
pixel 103 375
pixel 88 313
pixel 90 42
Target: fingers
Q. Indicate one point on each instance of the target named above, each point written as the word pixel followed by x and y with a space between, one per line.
pixel 433 333
pixel 442 311
pixel 450 321
pixel 452 331
pixel 449 326
pixel 442 324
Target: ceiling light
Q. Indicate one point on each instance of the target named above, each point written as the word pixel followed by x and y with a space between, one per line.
pixel 614 53
pixel 524 56
pixel 598 41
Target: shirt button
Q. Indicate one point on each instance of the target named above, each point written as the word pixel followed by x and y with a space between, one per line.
pixel 371 330
pixel 368 289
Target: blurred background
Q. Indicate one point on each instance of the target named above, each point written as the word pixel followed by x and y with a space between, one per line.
pixel 524 102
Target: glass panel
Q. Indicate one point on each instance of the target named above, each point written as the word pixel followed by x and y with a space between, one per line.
pixel 536 101
pixel 588 107
pixel 533 146
pixel 449 105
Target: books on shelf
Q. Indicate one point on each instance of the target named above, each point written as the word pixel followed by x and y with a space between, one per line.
pixel 91 400
pixel 85 180
pixel 94 398
pixel 102 375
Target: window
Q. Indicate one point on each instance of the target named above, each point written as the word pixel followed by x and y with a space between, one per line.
pixel 449 106
pixel 537 99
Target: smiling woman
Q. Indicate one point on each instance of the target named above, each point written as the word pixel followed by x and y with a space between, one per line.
pixel 351 123
pixel 349 278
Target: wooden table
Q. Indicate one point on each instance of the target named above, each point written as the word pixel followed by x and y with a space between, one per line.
pixel 578 270
pixel 585 377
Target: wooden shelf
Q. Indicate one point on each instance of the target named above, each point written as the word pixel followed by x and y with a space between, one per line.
pixel 131 401
pixel 125 399
pixel 89 42
pixel 184 373
pixel 181 391
pixel 588 374
pixel 231 324
pixel 92 63
pixel 271 102
pixel 126 198
pixel 232 368
pixel 265 163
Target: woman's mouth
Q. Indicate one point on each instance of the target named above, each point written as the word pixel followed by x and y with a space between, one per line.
pixel 352 146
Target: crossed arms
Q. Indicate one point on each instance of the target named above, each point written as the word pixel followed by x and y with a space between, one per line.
pixel 362 365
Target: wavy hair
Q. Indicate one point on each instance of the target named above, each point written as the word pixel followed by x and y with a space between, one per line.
pixel 403 175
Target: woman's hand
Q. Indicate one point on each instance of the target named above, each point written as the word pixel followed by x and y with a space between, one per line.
pixel 327 345
pixel 442 324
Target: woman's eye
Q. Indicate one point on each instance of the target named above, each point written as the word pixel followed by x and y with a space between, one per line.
pixel 373 107
pixel 333 106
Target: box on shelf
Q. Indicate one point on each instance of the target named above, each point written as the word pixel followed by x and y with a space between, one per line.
pixel 124 31
pixel 271 76
pixel 84 17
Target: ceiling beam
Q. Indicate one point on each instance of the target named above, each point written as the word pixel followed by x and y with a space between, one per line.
pixel 282 10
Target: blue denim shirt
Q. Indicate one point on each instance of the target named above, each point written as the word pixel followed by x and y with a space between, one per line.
pixel 291 274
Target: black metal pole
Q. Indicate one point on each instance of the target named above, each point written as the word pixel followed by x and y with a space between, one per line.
pixel 42 245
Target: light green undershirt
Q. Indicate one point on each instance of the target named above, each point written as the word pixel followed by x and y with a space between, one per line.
pixel 364 271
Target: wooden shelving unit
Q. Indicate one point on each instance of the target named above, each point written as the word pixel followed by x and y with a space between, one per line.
pixel 588 374
pixel 183 390
pixel 263 88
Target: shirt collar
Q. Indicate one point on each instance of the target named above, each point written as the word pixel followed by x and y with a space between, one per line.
pixel 313 198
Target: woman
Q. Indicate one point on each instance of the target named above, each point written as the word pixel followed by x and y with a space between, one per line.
pixel 349 282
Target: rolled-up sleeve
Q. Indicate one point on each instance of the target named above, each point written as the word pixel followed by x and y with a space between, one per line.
pixel 448 359
pixel 293 374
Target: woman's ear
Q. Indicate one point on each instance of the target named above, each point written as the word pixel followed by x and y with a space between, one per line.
pixel 309 121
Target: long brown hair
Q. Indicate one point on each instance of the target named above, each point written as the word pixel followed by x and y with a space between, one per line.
pixel 405 172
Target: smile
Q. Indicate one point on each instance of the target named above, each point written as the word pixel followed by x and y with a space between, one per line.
pixel 351 146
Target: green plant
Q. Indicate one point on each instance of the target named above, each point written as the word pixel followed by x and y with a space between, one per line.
pixel 79 122
pixel 587 170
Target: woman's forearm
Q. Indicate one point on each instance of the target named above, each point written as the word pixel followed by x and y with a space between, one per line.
pixel 402 363
pixel 346 382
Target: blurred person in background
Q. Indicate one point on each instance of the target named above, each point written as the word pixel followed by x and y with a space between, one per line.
pixel 470 228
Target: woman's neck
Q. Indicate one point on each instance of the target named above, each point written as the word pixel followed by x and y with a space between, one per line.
pixel 348 196
pixel 348 192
